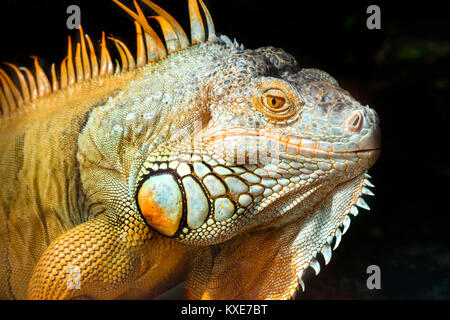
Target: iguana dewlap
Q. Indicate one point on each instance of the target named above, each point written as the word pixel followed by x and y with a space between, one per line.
pixel 199 160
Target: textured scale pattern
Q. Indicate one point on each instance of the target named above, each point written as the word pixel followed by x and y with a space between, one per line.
pixel 196 159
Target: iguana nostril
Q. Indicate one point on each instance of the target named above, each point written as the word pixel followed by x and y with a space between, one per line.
pixel 355 121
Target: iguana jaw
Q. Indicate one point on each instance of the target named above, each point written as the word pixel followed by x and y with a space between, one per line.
pixel 296 201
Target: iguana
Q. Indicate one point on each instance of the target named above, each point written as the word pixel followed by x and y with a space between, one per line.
pixel 197 159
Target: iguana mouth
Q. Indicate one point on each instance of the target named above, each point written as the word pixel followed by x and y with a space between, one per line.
pixel 289 146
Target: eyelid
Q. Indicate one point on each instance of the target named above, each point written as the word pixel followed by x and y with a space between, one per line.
pixel 276 93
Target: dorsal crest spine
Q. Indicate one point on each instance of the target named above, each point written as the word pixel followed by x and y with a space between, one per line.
pixel 81 63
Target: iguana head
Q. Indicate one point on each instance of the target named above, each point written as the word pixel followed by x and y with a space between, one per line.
pixel 277 141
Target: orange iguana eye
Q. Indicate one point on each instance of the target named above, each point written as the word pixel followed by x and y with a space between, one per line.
pixel 276 99
pixel 274 102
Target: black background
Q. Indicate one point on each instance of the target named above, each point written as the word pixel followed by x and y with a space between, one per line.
pixel 401 70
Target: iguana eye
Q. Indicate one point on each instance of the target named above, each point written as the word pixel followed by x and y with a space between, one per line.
pixel 276 98
pixel 277 103
pixel 274 102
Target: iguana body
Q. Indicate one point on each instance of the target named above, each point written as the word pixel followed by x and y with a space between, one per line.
pixel 232 168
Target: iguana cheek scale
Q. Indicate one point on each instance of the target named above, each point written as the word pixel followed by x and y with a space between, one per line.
pixel 197 159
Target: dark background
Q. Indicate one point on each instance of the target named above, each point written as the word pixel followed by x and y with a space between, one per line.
pixel 401 70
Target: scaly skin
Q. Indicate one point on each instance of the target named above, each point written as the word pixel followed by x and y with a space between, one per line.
pixel 233 168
